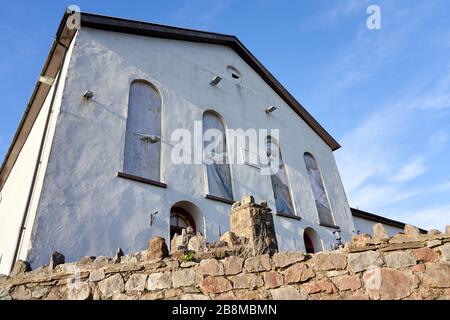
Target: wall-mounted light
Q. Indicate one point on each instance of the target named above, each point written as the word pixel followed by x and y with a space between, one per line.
pixel 337 236
pixel 214 82
pixel 271 109
pixel 88 94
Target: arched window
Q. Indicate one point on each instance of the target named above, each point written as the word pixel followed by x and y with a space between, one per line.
pixel 143 133
pixel 180 219
pixel 278 176
pixel 318 189
pixel 215 153
pixel 312 241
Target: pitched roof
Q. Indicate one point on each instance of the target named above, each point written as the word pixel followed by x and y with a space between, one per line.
pixel 376 218
pixel 64 37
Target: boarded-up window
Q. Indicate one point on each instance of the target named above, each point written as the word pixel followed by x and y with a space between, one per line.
pixel 215 152
pixel 318 189
pixel 280 185
pixel 142 141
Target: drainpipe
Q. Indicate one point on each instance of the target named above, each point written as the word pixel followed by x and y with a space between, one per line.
pixel 41 149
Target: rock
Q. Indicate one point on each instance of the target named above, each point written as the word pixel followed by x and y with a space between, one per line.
pixel 232 265
pixel 78 291
pixel 329 261
pixel 272 279
pixel 184 278
pixel 425 254
pixel 388 284
pixel 215 285
pixel 317 286
pixel 363 260
pixel 4 293
pixel 210 267
pixel 56 259
pixel 437 275
pixel 197 244
pixel 136 282
pixel 379 232
pixel 226 296
pixel 246 281
pixel 111 286
pixel 188 264
pixel 96 275
pixel 299 272
pixel 411 230
pixel 122 297
pixel 247 199
pixel 20 267
pixel 235 205
pixel 38 292
pixel 347 282
pixel 189 230
pixel 434 243
pixel 336 273
pixel 190 296
pixel 399 259
pixel 447 229
pixel 159 280
pixel 254 225
pixel 230 238
pixel 118 256
pixel 152 295
pixel 157 249
pixel 288 293
pixel 101 261
pixel 86 260
pixel 433 232
pixel 445 252
pixel 257 264
pixel 20 293
pixel 349 295
pixel 418 268
pixel 360 240
pixel 285 259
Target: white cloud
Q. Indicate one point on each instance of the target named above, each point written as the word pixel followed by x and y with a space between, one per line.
pixel 411 170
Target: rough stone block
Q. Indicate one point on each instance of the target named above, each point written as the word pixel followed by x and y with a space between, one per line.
pixel 246 281
pixel 210 267
pixel 215 285
pixel 285 259
pixel 329 261
pixel 184 278
pixel 112 285
pixel 363 260
pixel 399 259
pixel 299 272
pixel 288 293
pixel 233 265
pixel 258 264
pixel 157 249
pixel 136 282
pixel 273 279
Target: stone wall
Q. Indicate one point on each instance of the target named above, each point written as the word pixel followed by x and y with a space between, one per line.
pixel 406 266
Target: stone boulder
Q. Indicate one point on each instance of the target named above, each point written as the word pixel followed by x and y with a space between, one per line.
pixel 157 249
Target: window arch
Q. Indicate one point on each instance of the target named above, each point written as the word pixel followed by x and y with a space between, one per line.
pixel 143 132
pixel 318 189
pixel 215 155
pixel 278 177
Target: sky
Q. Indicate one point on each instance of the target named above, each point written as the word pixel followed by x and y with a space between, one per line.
pixel 384 94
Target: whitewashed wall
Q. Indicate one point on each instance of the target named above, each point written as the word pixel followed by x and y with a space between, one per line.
pixel 15 191
pixel 366 226
pixel 85 209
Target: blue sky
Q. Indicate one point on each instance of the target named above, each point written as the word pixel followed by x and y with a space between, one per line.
pixel 383 94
